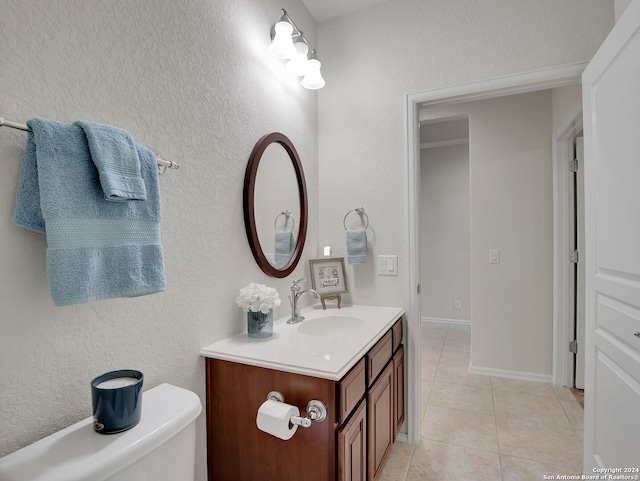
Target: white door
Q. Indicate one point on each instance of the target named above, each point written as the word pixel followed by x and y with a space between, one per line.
pixel 611 98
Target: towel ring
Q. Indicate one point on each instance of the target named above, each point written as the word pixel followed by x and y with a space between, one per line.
pixel 358 210
pixel 288 215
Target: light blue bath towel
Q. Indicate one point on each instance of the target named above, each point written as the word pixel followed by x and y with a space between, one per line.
pixel 283 245
pixel 115 156
pixel 356 246
pixel 96 249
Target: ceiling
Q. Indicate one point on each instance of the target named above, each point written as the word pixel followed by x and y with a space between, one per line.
pixel 323 10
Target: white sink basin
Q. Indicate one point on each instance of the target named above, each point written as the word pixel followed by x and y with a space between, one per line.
pixel 336 326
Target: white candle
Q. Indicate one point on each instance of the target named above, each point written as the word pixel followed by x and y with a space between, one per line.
pixel 117 382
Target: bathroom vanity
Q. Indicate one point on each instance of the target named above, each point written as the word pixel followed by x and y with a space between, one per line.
pixel 351 359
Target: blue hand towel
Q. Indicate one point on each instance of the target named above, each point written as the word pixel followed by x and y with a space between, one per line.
pixel 356 246
pixel 283 245
pixel 96 249
pixel 115 155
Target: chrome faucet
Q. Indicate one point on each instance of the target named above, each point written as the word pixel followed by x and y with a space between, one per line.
pixel 296 293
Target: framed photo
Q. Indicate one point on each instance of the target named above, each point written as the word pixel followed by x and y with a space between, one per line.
pixel 327 276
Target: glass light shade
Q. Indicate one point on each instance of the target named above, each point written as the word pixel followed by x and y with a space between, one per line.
pixel 299 63
pixel 313 80
pixel 282 44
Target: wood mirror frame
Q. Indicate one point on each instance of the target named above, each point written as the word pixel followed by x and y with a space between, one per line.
pixel 249 204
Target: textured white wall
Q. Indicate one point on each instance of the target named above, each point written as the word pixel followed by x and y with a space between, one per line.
pixel 194 81
pixel 565 102
pixel 372 59
pixel 445 233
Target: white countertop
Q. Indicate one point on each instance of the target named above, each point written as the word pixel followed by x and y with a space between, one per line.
pixel 327 357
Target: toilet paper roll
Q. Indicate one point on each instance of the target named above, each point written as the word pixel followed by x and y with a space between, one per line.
pixel 273 418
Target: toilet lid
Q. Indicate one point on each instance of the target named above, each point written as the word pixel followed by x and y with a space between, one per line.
pixel 78 453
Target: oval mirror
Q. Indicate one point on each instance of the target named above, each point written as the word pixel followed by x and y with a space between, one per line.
pixel 275 205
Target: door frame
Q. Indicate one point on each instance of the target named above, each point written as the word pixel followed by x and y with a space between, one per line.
pixel 563 291
pixel 531 81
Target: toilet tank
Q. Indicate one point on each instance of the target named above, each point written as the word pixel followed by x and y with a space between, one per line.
pixel 161 447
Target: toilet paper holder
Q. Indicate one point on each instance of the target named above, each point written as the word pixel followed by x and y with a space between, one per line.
pixel 316 410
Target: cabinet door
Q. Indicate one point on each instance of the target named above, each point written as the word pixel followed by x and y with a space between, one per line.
pixel 352 448
pixel 398 379
pixel 381 422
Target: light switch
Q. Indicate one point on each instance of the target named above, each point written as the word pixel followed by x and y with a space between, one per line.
pixel 387 265
pixel 494 256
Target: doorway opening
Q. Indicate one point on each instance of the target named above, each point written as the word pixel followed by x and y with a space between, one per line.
pixel 445 220
pixel 521 83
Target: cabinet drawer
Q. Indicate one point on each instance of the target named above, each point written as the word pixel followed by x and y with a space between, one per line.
pixel 397 334
pixel 352 389
pixel 378 357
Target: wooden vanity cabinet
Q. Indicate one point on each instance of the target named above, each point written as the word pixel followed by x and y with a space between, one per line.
pixel 238 451
pixel 365 410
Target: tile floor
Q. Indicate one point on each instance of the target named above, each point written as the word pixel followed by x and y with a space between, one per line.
pixel 477 428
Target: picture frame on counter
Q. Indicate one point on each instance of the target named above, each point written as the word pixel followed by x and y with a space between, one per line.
pixel 328 278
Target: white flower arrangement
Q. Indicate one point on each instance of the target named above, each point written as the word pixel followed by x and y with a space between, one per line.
pixel 258 297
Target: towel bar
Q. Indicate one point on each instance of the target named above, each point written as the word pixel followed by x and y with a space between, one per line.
pixel 358 210
pixel 287 214
pixel 162 164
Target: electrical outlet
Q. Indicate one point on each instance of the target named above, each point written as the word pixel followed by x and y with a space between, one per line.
pixel 457 304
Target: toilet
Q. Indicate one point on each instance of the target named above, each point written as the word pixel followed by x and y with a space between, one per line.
pixel 161 447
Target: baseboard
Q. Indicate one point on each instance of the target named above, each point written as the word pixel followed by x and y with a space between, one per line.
pixel 445 321
pixel 402 438
pixel 524 376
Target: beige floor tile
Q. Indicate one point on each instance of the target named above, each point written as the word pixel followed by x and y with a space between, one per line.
pixel 458 332
pixel 455 356
pixel 517 469
pixel 434 461
pixel 425 391
pixel 398 462
pixel 432 343
pixel 431 356
pixel 459 374
pixel 541 443
pixel 563 393
pixel 460 396
pixel 517 385
pixel 529 408
pixel 434 329
pixel 462 428
pixel 428 368
pixel 575 413
pixel 457 345
pixel 538 428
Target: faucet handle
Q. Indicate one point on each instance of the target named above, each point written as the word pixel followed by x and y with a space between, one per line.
pixel 295 283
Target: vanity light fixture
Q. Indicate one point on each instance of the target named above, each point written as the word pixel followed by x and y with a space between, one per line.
pixel 288 42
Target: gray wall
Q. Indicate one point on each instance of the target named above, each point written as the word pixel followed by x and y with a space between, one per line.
pixel 445 233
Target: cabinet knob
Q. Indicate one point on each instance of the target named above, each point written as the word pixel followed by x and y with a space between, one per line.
pixel 637 333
